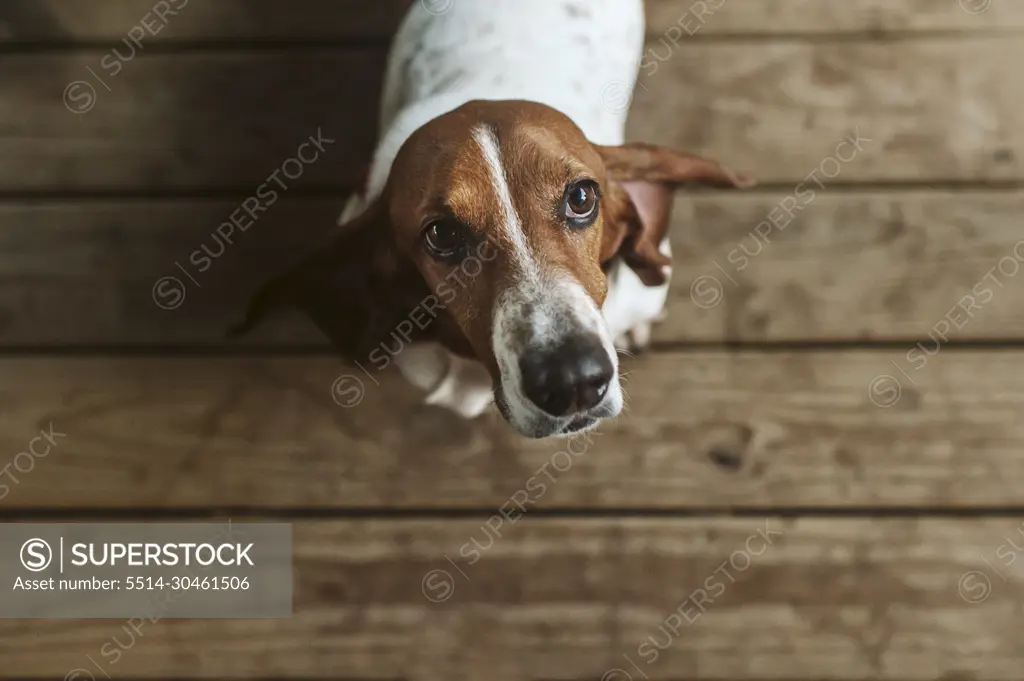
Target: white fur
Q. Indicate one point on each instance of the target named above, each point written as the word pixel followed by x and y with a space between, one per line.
pixel 538 315
pixel 580 57
pixel 631 307
pixel 510 224
pixel 461 385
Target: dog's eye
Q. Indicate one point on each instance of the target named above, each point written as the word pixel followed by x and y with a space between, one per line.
pixel 581 203
pixel 444 239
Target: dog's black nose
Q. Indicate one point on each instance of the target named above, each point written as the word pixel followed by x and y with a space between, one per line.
pixel 572 378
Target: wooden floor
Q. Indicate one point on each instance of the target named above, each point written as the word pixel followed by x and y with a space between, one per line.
pixel 821 472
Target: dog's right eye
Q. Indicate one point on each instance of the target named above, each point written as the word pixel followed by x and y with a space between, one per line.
pixel 444 239
pixel 580 203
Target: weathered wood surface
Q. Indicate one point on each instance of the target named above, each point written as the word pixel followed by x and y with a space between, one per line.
pixel 702 430
pixel 841 266
pixel 187 122
pixel 119 273
pixel 111 20
pixel 202 121
pixel 795 18
pixel 782 111
pixel 225 93
pixel 847 266
pixel 194 20
pixel 573 599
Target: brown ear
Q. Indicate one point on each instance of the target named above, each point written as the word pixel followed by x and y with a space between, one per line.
pixel 639 202
pixel 354 287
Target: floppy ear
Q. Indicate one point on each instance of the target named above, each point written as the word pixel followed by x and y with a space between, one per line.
pixel 639 202
pixel 355 287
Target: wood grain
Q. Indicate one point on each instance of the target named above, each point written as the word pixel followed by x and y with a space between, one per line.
pixel 104 199
pixel 110 20
pixel 866 266
pixel 119 273
pixel 702 430
pixel 825 598
pixel 771 18
pixel 934 110
pixel 187 122
pixel 879 266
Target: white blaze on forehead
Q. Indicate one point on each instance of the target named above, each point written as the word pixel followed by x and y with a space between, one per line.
pixel 509 223
pixel 539 310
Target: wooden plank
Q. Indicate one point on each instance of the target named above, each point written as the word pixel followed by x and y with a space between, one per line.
pixel 196 121
pixel 814 17
pixel 885 266
pixel 845 266
pixel 778 599
pixel 783 110
pixel 111 20
pixel 133 272
pixel 702 430
pixel 778 111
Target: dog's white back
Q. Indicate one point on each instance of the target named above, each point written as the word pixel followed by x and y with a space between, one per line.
pixel 580 57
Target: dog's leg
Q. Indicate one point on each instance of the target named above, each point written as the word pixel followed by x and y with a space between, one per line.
pixel 458 384
pixel 631 308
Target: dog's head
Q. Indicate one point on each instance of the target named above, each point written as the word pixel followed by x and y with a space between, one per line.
pixel 491 235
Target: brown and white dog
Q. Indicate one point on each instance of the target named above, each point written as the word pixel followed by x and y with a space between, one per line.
pixel 508 239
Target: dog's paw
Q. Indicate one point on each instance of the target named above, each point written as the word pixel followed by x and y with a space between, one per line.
pixel 636 339
pixel 466 402
pixel 465 388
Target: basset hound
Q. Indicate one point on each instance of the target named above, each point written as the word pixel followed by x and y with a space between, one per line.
pixel 508 240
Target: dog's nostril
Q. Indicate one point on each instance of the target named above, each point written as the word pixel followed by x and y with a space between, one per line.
pixel 595 374
pixel 573 378
pixel 592 392
pixel 558 402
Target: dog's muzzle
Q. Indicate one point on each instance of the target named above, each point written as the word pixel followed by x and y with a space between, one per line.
pixel 559 370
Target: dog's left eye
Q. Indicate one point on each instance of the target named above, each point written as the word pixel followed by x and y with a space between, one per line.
pixel 580 203
pixel 444 239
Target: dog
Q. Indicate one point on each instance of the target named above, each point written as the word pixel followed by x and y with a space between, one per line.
pixel 508 240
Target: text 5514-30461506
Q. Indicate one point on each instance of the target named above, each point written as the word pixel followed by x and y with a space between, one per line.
pixel 188 583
